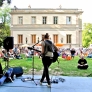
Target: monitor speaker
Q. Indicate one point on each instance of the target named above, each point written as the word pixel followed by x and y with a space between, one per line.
pixel 8 43
pixel 18 71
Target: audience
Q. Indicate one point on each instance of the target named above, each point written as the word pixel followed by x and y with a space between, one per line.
pixel 15 54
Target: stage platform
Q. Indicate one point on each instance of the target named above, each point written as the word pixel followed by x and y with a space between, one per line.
pixel 69 84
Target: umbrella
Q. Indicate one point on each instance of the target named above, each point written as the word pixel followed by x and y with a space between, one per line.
pixel 59 44
pixel 25 45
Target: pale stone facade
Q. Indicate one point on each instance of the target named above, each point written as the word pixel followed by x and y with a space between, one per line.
pixel 61 29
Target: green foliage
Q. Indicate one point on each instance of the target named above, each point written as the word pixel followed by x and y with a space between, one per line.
pixel 87 35
pixel 5 14
pixel 4 32
pixel 5 25
pixel 1 2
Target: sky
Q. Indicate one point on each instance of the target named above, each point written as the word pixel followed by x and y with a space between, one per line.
pixel 85 5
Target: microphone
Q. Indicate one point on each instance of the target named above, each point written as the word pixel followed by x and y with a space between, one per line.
pixel 33 49
pixel 30 48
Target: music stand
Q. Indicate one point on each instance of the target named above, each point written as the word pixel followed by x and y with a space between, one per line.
pixel 29 78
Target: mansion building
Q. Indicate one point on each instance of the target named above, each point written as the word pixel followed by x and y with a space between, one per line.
pixel 29 25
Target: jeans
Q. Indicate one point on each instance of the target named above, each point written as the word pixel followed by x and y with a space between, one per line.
pixel 47 61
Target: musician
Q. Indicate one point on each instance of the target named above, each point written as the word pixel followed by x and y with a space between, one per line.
pixel 47 57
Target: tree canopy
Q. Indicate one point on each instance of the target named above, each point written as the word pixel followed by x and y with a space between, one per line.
pixel 4 22
pixel 87 34
pixel 1 2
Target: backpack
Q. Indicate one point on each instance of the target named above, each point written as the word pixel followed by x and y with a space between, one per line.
pixel 50 47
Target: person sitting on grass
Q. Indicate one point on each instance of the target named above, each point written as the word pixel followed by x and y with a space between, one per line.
pixel 18 56
pixel 68 57
pixel 64 55
pixel 28 54
pixel 82 63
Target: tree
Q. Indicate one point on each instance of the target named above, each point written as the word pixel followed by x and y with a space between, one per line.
pixel 5 14
pixel 4 33
pixel 87 34
pixel 1 2
pixel 5 22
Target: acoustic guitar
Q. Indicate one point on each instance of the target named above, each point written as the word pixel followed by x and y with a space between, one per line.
pixel 55 54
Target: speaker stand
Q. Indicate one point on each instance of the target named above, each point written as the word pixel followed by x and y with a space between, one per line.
pixel 7 61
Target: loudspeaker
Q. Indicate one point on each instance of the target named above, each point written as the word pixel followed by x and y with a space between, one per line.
pixel 8 43
pixel 18 71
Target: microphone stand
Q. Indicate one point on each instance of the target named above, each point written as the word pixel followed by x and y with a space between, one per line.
pixel 28 78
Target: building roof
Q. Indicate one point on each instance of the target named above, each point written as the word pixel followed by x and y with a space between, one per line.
pixel 46 10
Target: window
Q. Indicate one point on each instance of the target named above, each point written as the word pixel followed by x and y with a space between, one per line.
pixel 55 38
pixel 20 39
pixel 68 20
pixel 20 20
pixel 55 20
pixel 33 20
pixel 33 38
pixel 44 20
pixel 68 38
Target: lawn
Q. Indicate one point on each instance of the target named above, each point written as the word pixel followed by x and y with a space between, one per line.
pixel 64 68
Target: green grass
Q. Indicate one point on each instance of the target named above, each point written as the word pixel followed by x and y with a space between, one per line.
pixel 65 68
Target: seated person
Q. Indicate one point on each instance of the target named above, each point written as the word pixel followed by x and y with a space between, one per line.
pixel 28 54
pixel 5 56
pixel 68 57
pixel 82 63
pixel 64 55
pixel 17 56
pixel 89 56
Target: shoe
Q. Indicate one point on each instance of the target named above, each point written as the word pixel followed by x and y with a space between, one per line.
pixel 40 83
pixel 49 86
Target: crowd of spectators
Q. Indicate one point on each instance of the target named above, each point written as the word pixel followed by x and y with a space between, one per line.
pixel 66 54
